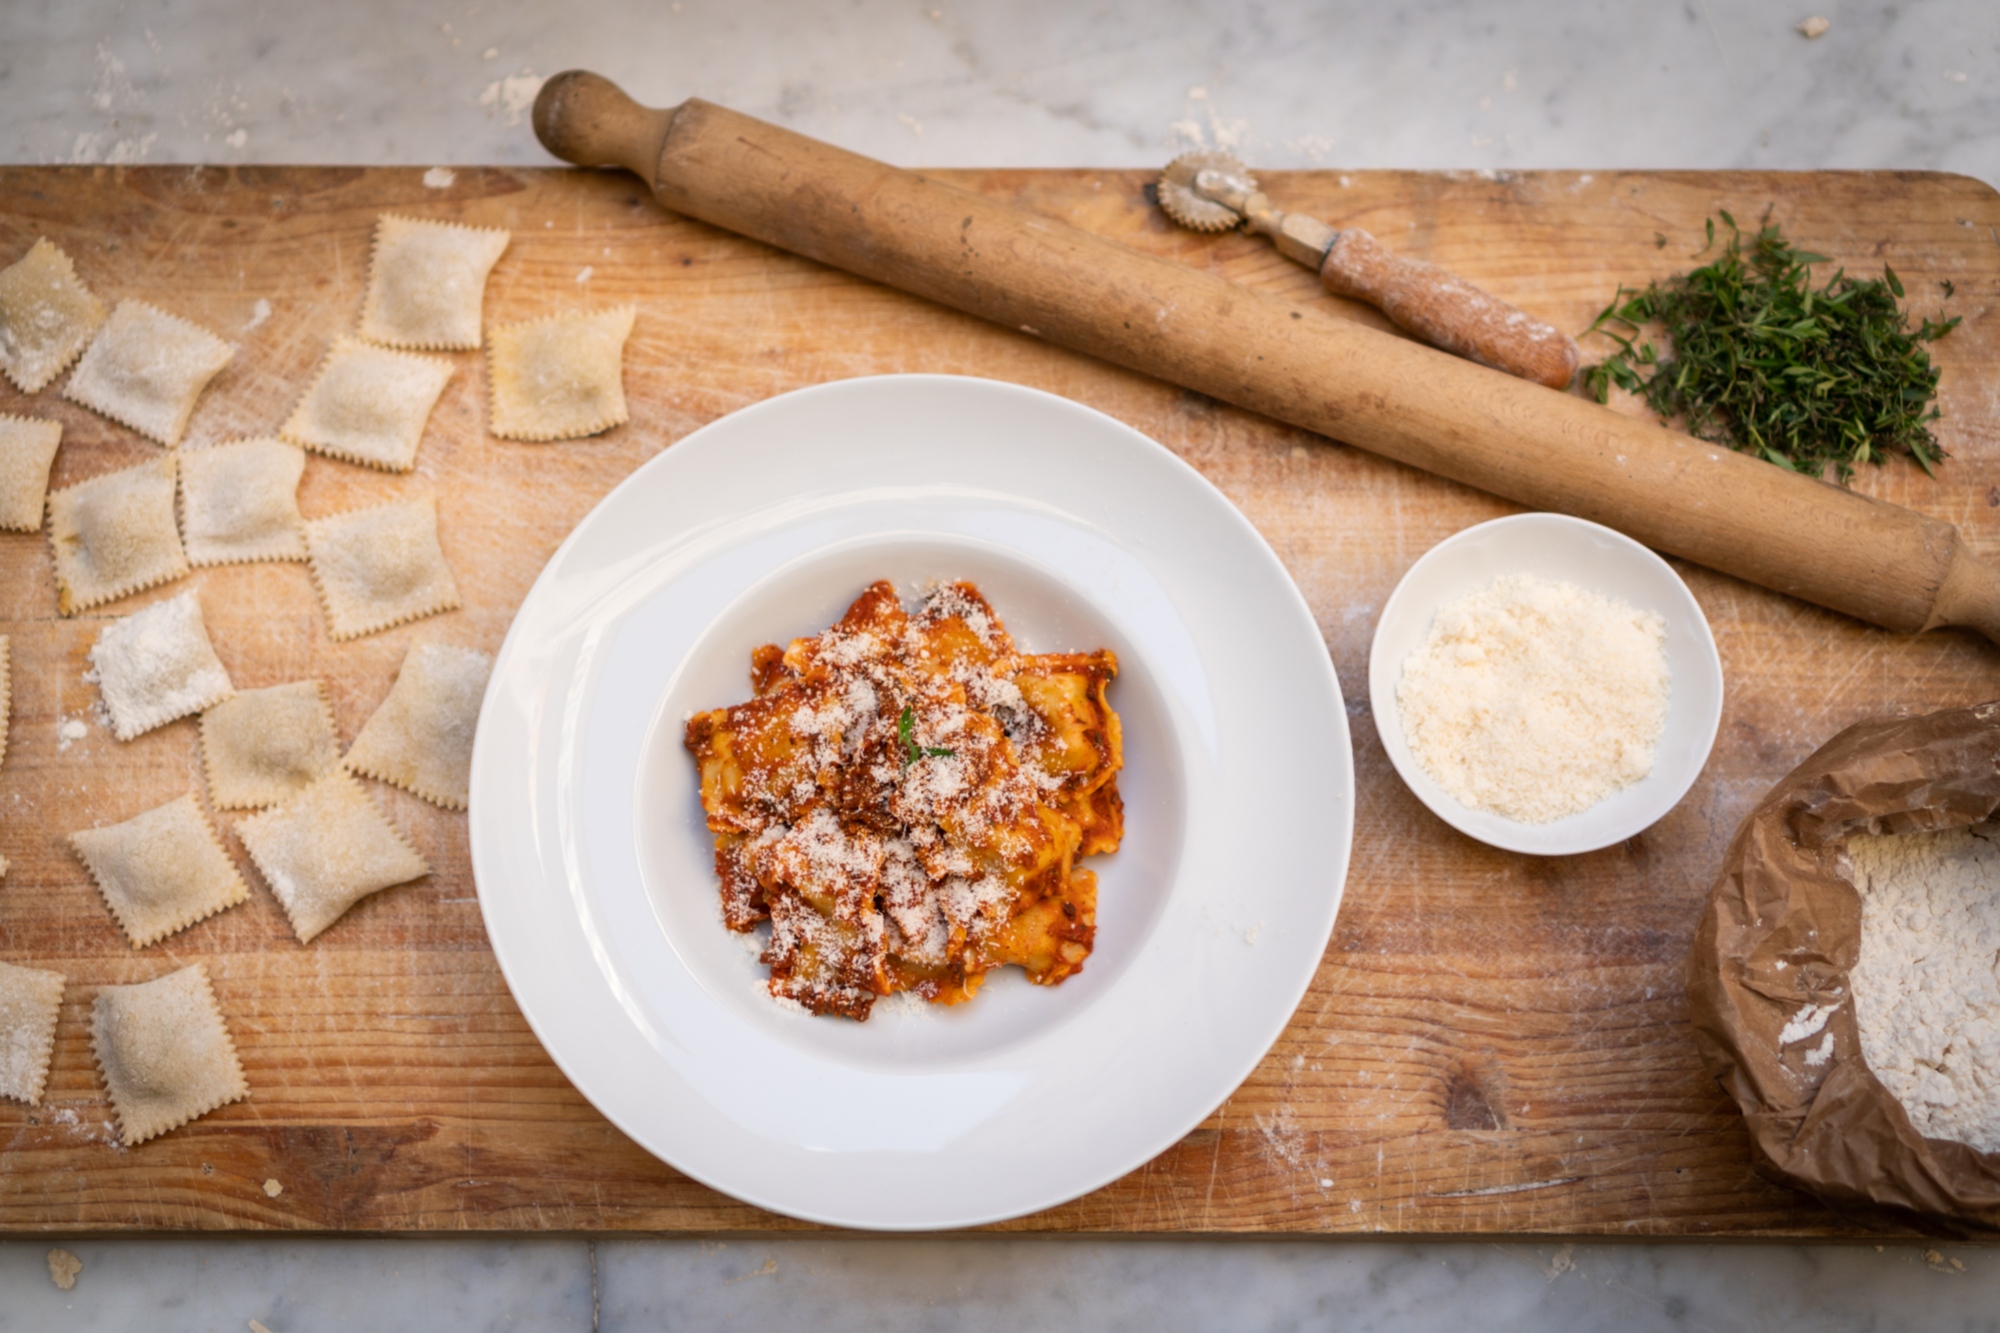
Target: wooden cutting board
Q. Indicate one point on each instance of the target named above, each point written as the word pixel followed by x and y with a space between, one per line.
pixel 1494 1043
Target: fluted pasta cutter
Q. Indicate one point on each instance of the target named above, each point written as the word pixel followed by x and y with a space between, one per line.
pixel 1211 191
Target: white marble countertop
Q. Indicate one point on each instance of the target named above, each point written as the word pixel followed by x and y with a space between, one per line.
pixel 1432 84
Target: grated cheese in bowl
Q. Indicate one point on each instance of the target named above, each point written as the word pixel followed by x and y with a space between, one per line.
pixel 1536 699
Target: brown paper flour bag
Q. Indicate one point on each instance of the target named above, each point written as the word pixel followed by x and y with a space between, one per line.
pixel 1782 929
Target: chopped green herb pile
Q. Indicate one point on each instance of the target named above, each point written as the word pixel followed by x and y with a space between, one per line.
pixel 905 733
pixel 1762 361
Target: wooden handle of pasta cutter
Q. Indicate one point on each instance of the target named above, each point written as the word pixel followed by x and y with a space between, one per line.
pixel 1447 311
pixel 1871 559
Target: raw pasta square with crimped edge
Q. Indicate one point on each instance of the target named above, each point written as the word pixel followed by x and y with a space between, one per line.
pixel 266 746
pixel 380 567
pixel 559 378
pixel 160 872
pixel 145 370
pixel 165 1053
pixel 46 316
pixel 27 451
pixel 157 665
pixel 426 282
pixel 368 405
pixel 325 850
pixel 114 535
pixel 30 1002
pixel 420 738
pixel 239 502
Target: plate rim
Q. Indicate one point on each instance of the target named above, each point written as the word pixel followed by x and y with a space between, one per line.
pixel 1250 1052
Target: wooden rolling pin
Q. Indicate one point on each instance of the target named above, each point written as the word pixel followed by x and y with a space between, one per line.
pixel 1868 558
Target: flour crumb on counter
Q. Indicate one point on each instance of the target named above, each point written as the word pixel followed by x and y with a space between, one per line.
pixel 1815 27
pixel 439 178
pixel 1937 1263
pixel 1927 985
pixel 273 1188
pixel 63 1268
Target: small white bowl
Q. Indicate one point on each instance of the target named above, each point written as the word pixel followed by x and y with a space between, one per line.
pixel 1588 555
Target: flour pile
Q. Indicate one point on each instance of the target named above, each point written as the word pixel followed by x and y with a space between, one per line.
pixel 1927 986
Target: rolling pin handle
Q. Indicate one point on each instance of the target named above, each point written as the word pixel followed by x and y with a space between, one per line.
pixel 1969 596
pixel 588 120
pixel 1447 311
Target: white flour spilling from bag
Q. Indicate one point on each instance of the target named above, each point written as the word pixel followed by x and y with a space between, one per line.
pixel 1536 699
pixel 1927 986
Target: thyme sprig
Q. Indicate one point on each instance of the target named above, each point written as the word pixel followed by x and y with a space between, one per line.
pixel 1760 360
pixel 906 737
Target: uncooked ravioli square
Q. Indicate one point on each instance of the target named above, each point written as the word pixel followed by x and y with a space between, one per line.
pixel 380 567
pixel 27 451
pixel 265 746
pixel 368 405
pixel 30 1002
pixel 161 871
pixel 157 665
pixel 420 738
pixel 239 502
pixel 165 1052
pixel 46 316
pixel 146 368
pixel 427 281
pixel 559 378
pixel 114 535
pixel 325 850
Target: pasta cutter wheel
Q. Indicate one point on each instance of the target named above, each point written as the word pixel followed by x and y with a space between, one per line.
pixel 1187 205
pixel 1213 192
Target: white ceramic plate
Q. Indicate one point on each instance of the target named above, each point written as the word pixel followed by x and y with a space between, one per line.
pixel 594 868
pixel 1554 546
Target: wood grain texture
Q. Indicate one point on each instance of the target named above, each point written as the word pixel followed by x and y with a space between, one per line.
pixel 1494 1043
